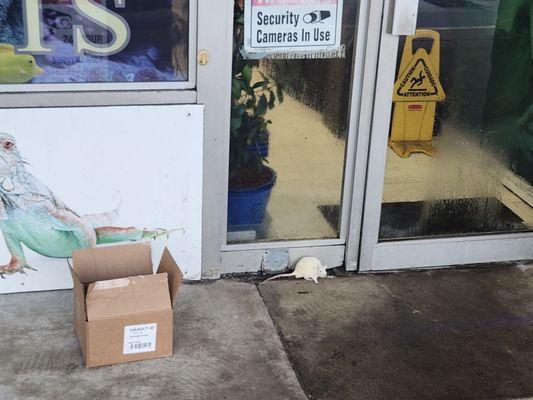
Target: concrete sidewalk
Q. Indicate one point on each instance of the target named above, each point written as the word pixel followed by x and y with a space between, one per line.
pixel 226 347
pixel 458 334
pixel 455 334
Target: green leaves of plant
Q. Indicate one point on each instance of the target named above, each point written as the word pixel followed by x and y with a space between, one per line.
pixel 237 112
pixel 236 123
pixel 236 88
pixel 261 84
pixel 247 73
pixel 250 104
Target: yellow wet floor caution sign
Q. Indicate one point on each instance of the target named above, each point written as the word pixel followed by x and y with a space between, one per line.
pixel 416 93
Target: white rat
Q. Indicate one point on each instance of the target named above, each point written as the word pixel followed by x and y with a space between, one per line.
pixel 309 268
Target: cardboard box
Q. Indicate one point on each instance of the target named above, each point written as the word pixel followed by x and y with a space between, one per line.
pixel 122 311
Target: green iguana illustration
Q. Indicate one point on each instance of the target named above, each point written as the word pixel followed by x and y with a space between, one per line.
pixel 32 215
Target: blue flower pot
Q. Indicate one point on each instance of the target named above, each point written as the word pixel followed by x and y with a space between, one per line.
pixel 248 206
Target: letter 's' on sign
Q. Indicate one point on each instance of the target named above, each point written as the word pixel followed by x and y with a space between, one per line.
pixel 111 21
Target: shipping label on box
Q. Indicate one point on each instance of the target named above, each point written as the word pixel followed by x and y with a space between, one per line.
pixel 140 338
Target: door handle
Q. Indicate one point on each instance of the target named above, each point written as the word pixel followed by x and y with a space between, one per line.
pixel 404 18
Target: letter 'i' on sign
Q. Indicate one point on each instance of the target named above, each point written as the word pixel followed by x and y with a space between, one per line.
pixel 416 93
pixel 32 28
pixel 93 11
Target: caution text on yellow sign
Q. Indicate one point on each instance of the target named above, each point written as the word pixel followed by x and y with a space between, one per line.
pixel 419 82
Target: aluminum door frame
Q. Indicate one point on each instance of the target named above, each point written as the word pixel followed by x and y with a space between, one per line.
pixel 420 253
pixel 214 92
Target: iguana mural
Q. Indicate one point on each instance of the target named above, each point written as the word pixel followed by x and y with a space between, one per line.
pixel 32 215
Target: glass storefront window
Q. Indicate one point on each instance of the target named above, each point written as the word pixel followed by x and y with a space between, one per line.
pixel 102 41
pixel 475 175
pixel 290 117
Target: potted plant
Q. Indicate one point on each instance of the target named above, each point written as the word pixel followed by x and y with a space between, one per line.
pixel 252 95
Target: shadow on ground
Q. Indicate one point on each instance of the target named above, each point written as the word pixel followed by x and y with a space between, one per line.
pixel 462 334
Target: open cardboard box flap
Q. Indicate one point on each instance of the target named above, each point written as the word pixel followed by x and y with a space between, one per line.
pixel 112 262
pixel 175 277
pixel 122 261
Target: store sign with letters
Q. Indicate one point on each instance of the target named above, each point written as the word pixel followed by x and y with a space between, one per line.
pixel 93 41
pixel 292 26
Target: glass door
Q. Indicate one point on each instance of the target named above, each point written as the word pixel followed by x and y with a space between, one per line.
pixel 451 167
pixel 292 136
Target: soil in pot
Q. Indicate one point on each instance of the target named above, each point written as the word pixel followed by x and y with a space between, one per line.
pixel 247 178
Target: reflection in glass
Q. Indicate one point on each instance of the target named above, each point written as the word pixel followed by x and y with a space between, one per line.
pixel 481 179
pixel 303 142
pixel 155 50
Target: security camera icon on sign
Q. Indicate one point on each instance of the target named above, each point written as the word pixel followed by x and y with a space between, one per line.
pixel 316 16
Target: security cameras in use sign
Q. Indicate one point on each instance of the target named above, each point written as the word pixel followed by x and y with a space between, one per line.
pixel 286 26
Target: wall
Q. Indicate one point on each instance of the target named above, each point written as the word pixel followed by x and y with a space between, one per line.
pixel 144 161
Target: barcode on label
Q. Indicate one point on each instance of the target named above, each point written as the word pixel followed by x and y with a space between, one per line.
pixel 140 338
pixel 140 345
